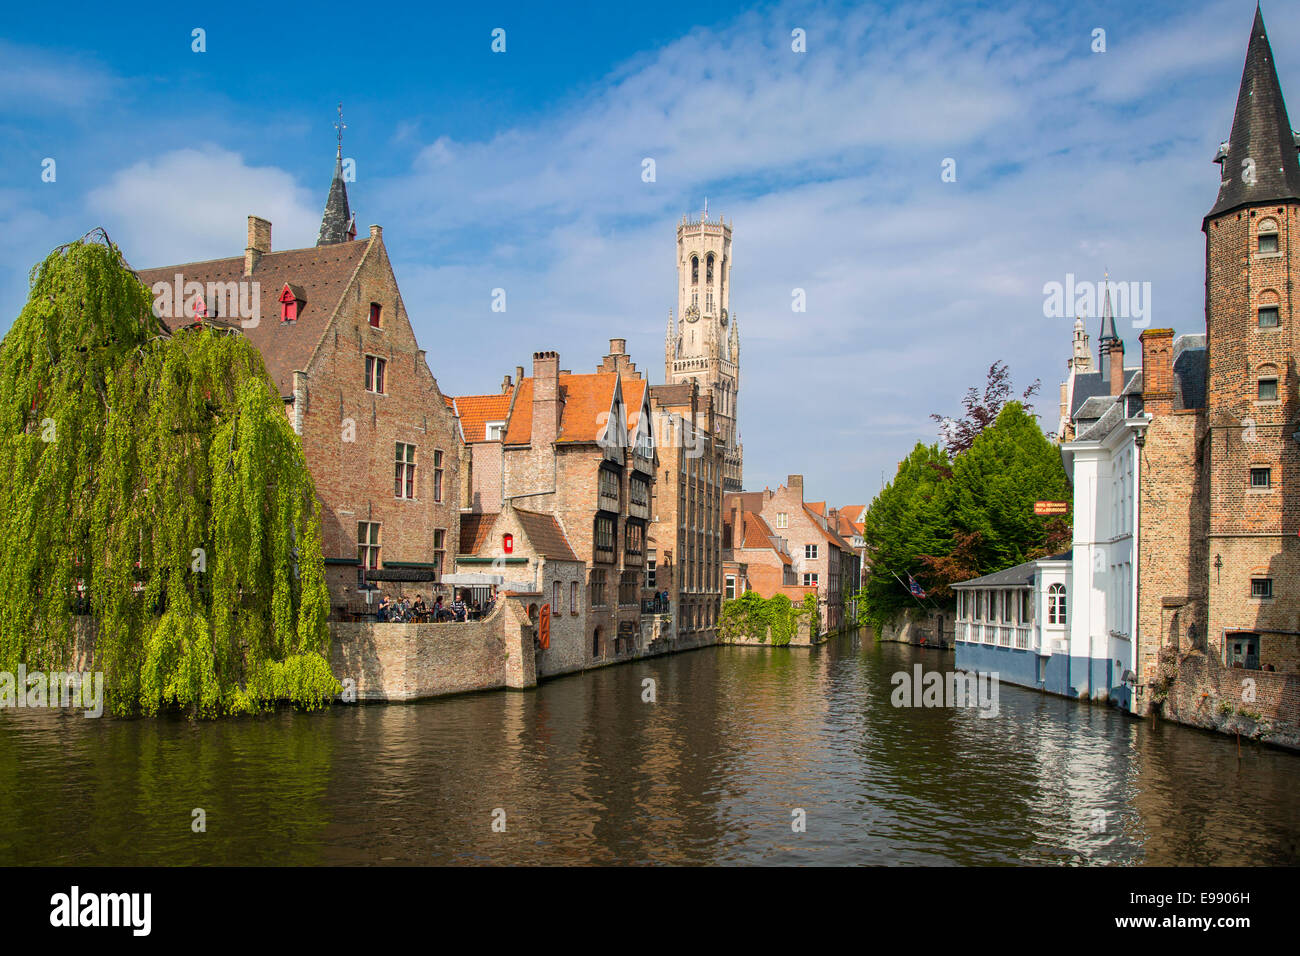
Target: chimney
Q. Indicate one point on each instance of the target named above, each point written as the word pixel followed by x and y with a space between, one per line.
pixel 1158 371
pixel 506 385
pixel 546 398
pixel 1115 349
pixel 795 484
pixel 737 532
pixel 376 232
pixel 259 242
pixel 618 346
pixel 519 373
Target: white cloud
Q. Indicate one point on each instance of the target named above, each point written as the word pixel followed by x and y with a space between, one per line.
pixel 191 204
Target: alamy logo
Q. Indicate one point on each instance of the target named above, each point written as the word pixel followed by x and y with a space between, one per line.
pixel 194 300
pixel 55 689
pixel 953 689
pixel 1074 299
pixel 73 909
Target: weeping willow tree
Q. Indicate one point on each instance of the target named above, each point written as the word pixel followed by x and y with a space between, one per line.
pixel 154 487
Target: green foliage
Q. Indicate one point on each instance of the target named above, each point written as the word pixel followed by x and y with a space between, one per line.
pixel 756 618
pixel 160 445
pixel 943 521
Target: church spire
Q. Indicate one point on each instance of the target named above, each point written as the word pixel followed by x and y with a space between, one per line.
pixel 336 224
pixel 1258 162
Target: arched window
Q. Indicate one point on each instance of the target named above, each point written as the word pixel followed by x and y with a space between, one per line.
pixel 1267 237
pixel 695 270
pixel 1056 604
pixel 708 275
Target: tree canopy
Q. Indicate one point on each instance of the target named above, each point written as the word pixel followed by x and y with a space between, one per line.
pixel 944 520
pixel 156 490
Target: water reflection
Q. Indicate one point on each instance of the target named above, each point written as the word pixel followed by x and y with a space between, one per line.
pixel 586 771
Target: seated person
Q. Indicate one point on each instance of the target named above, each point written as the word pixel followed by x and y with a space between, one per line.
pixel 385 609
pixel 458 609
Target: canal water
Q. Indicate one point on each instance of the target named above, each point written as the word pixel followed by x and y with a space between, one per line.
pixel 716 769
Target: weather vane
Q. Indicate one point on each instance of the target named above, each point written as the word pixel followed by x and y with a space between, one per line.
pixel 340 126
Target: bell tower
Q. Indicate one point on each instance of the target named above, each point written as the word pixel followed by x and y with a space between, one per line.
pixel 703 344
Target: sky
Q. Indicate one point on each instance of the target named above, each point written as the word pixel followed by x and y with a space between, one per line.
pixel 523 170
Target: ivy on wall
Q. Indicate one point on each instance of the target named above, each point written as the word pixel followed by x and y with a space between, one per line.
pixel 775 619
pixel 154 486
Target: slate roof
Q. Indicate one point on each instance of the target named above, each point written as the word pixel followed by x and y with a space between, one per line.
pixel 336 220
pixel 1191 365
pixel 321 274
pixel 1019 576
pixel 1261 131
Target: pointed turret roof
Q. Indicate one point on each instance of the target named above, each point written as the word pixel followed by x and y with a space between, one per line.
pixel 1107 317
pixel 1261 133
pixel 337 220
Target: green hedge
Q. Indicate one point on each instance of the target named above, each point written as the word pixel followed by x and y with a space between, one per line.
pixel 754 617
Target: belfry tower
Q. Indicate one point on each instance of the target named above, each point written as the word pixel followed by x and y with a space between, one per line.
pixel 703 344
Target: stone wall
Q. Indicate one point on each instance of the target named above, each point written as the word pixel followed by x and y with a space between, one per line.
pixel 398 662
pixel 803 637
pixel 1261 705
pixel 917 627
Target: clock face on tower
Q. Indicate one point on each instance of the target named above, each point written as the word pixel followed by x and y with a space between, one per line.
pixel 724 316
pixel 692 313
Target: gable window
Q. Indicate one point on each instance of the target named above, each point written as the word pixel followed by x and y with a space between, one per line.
pixel 437 476
pixel 1268 390
pixel 291 304
pixel 376 312
pixel 1261 479
pixel 1261 588
pixel 1056 604
pixel 375 367
pixel 404 472
pixel 368 543
pixel 782 519
pixel 809 580
pixel 1268 317
pixel 810 552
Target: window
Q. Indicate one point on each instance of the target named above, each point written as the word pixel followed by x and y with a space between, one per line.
pixel 604 538
pixel 557 593
pixel 495 431
pixel 573 597
pixel 695 270
pixel 810 552
pixel 1261 478
pixel 596 588
pixel 651 563
pixel 809 580
pixel 731 587
pixel 1026 607
pixel 368 544
pixel 609 486
pixel 782 519
pixel 1268 390
pixel 1056 604
pixel 375 311
pixel 1268 317
pixel 439 549
pixel 375 374
pixel 1261 588
pixel 635 538
pixel 1243 651
pixel 404 472
pixel 437 476
pixel 638 491
pixel 628 588
pixel 1267 242
pixel 290 305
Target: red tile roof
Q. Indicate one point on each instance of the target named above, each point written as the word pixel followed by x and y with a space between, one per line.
pixel 475 532
pixel 547 538
pixel 322 273
pixel 585 401
pixel 475 411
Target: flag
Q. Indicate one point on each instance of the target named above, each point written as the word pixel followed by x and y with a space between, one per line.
pixel 915 588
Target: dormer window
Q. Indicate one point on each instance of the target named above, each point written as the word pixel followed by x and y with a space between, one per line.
pixel 376 312
pixel 292 301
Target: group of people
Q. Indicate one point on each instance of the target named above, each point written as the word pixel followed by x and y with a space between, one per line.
pixel 404 611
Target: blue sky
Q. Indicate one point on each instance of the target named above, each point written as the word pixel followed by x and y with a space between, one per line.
pixel 522 171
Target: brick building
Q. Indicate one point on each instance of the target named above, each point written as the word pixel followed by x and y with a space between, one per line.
pixel 376 432
pixel 579 449
pixel 821 560
pixel 685 557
